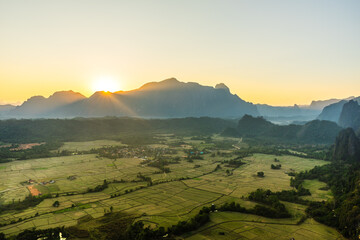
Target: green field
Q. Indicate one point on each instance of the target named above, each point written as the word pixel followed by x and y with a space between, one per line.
pixel 245 226
pixel 174 196
pixel 317 194
pixel 86 146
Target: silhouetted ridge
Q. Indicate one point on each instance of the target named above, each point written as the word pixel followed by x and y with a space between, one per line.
pixel 222 86
pixel 169 98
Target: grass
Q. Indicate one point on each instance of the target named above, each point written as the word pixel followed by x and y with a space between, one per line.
pixel 41 168
pixel 76 208
pixel 246 226
pixel 245 180
pixel 317 194
pixel 86 146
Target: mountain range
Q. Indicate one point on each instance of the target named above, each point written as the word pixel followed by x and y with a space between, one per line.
pixel 320 104
pixel 166 99
pixel 333 111
pixel 169 98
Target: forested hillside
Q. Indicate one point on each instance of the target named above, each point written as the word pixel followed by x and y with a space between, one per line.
pixel 312 132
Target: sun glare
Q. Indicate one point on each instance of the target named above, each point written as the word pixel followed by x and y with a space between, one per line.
pixel 106 84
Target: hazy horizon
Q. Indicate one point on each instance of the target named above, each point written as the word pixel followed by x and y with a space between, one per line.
pixel 279 53
pixel 18 103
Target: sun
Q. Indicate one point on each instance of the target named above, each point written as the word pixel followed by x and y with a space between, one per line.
pixel 106 84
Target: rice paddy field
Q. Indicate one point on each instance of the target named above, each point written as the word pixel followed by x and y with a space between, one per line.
pixel 172 196
pixel 86 146
pixel 225 225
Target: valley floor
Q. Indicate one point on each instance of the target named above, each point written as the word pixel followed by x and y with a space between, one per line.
pixel 172 196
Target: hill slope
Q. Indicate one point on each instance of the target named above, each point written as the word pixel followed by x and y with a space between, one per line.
pixel 350 115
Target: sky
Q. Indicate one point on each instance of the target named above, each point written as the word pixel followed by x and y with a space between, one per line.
pixel 277 52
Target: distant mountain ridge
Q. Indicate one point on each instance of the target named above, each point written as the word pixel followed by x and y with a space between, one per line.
pixel 39 105
pixel 169 98
pixel 296 113
pixel 333 111
pixel 271 111
pixel 320 104
pixel 5 109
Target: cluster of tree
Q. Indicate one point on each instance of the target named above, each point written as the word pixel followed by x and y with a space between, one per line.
pixel 139 232
pixel 320 151
pixel 99 188
pixel 293 196
pixel 29 201
pixel 56 204
pixel 138 139
pixel 277 166
pixel 160 163
pixel 33 234
pixel 277 209
pixel 194 223
pixel 41 151
pixel 260 210
pixel 267 196
pixel 131 130
pixel 234 163
pixel 145 179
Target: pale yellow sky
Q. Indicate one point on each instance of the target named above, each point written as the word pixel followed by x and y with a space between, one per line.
pixel 279 53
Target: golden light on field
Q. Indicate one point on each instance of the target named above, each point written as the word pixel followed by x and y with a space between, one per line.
pixel 106 84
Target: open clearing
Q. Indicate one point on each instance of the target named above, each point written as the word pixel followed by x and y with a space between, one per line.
pixel 317 193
